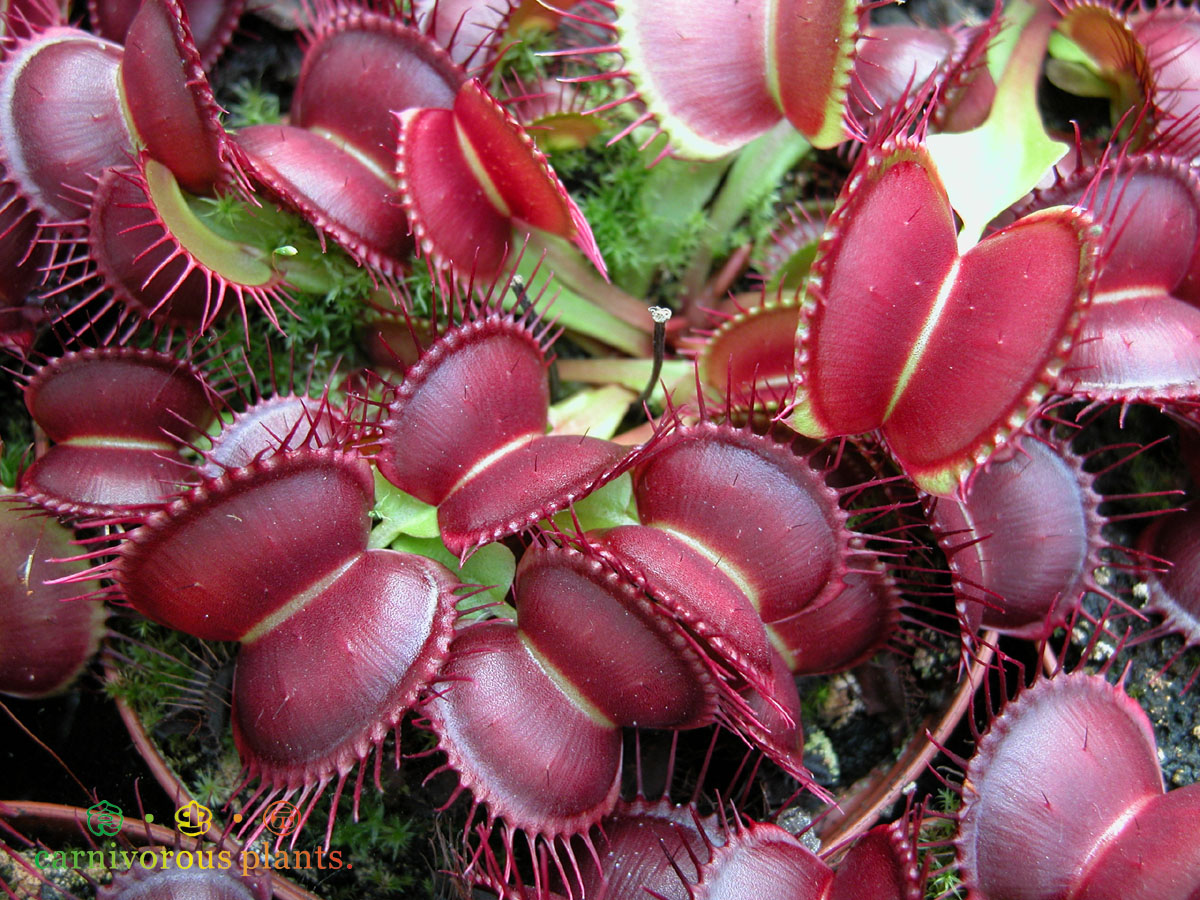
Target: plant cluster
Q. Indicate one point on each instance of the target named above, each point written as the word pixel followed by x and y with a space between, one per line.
pixel 512 524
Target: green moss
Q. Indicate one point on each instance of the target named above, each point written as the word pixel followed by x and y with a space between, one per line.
pixel 10 460
pixel 329 293
pixel 523 60
pixel 613 208
pixel 149 681
pixel 16 433
pixel 937 831
pixel 252 106
pixel 646 246
pixel 389 837
pixel 814 700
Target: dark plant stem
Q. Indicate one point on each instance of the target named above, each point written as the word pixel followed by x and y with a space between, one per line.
pixel 661 315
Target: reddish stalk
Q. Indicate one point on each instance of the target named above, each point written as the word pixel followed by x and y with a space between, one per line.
pixel 856 814
pixel 1050 663
pixel 695 305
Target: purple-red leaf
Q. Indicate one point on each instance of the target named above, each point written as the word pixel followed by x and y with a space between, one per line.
pixel 332 189
pixel 518 740
pixel 470 175
pixel 701 70
pixel 169 100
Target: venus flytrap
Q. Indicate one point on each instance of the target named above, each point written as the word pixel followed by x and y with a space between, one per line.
pixel 1016 300
pixel 47 642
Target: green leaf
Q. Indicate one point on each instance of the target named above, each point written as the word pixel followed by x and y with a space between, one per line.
pixel 792 275
pixel 578 294
pixel 755 173
pixel 491 566
pixel 1061 47
pixel 400 513
pixel 1078 79
pixel 633 374
pixel 608 507
pixel 989 168
pixel 596 412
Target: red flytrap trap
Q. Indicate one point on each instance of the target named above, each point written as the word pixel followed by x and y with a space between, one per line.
pixel 342 442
